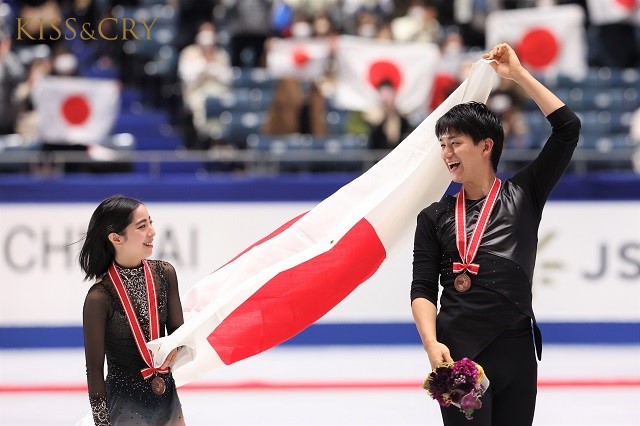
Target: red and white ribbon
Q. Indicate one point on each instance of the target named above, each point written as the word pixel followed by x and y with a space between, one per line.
pixel 154 320
pixel 468 253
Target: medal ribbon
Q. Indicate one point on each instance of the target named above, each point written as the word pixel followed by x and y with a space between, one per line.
pixel 154 321
pixel 467 254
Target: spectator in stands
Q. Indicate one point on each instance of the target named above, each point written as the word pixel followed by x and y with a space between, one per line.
pixel 191 14
pixel 507 103
pixel 203 71
pixel 388 127
pixel 12 73
pixel 300 106
pixel 367 24
pixel 27 118
pixel 296 108
pixel 65 63
pixel 249 27
pixel 420 24
pixel 38 17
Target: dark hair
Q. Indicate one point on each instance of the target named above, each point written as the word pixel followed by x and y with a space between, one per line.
pixel 477 121
pixel 112 215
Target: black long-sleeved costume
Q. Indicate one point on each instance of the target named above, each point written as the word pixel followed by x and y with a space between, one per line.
pixel 125 397
pixel 500 295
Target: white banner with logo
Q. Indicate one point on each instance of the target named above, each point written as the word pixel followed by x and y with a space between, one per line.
pixel 588 265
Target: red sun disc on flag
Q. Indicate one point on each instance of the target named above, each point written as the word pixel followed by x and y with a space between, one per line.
pixel 380 71
pixel 300 57
pixel 538 48
pixel 627 4
pixel 76 110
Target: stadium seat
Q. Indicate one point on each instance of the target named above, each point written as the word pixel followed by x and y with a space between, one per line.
pixel 252 78
pixel 599 77
pixel 235 126
pixel 333 146
pixel 588 98
pixel 606 143
pixel 239 100
pixel 605 122
pixel 337 121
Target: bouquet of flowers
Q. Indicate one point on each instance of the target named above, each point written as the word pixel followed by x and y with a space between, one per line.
pixel 461 383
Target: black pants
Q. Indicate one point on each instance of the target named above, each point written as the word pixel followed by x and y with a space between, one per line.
pixel 511 366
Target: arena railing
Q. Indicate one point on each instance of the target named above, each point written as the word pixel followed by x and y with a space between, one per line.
pixel 156 163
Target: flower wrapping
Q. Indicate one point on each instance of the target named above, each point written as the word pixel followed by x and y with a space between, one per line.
pixel 461 384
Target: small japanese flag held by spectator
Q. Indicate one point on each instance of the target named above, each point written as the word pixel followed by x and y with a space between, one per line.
pixel 362 64
pixel 305 59
pixel 76 110
pixel 602 12
pixel 549 40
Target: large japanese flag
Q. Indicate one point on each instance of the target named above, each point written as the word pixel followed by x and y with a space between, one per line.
pixel 76 110
pixel 362 64
pixel 549 40
pixel 603 12
pixel 305 59
pixel 292 277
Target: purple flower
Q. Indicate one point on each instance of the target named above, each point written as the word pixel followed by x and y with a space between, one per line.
pixel 456 396
pixel 439 380
pixel 467 368
pixel 457 384
pixel 471 401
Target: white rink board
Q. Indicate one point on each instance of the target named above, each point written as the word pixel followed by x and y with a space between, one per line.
pixel 588 266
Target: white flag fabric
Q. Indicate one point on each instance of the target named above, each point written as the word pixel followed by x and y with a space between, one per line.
pixel 302 58
pixel 286 281
pixel 76 110
pixel 549 40
pixel 362 64
pixel 602 12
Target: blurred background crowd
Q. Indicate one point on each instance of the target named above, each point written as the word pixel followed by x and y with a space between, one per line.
pixel 211 86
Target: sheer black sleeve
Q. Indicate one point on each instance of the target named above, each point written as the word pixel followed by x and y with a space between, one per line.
pixel 94 319
pixel 426 260
pixel 175 318
pixel 542 174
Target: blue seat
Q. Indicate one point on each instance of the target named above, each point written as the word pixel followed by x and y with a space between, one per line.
pixel 148 123
pixel 158 143
pixel 332 146
pixel 605 121
pixel 606 143
pixel 599 78
pixel 252 78
pixel 236 126
pixel 337 121
pixel 616 99
pixel 240 100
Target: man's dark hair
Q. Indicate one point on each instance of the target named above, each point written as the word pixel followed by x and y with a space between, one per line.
pixel 477 121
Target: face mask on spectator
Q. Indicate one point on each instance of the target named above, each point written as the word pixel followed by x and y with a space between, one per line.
pixel 65 64
pixel 500 103
pixel 367 30
pixel 301 29
pixel 206 38
pixel 416 12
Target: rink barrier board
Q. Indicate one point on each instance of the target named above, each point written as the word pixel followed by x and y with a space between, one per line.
pixel 352 334
pixel 223 188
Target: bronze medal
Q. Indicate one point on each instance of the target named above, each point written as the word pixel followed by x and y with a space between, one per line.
pixel 158 386
pixel 468 252
pixel 462 283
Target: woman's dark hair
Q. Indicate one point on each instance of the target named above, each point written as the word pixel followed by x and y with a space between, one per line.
pixel 477 121
pixel 112 215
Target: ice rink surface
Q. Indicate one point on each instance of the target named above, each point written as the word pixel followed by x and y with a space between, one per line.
pixel 339 385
